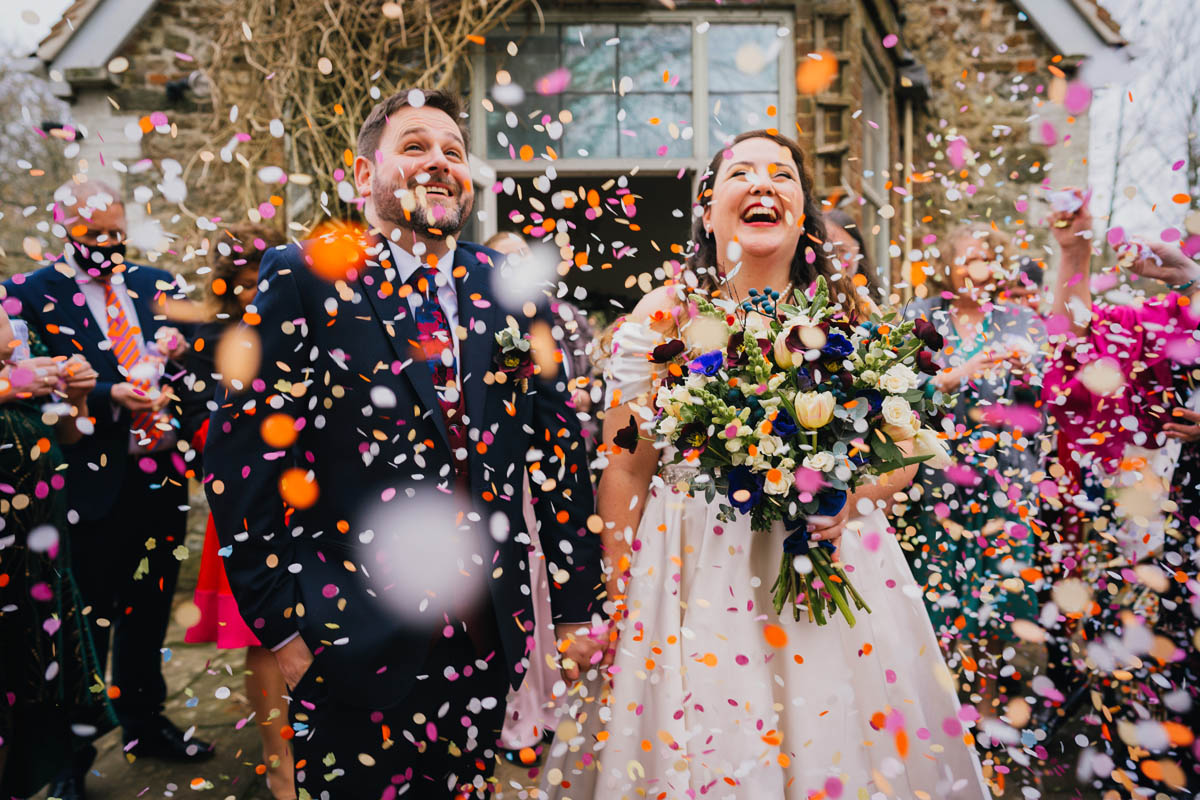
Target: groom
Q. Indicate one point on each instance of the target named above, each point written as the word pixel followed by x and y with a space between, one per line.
pixel 367 483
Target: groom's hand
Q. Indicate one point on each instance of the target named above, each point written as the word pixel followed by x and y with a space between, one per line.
pixel 580 646
pixel 294 659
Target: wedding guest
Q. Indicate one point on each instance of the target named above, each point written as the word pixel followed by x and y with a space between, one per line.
pixel 47 661
pixel 1122 391
pixel 972 525
pixel 1025 289
pixel 233 286
pixel 850 250
pixel 122 479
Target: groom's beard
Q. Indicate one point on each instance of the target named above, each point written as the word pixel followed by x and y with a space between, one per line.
pixel 389 204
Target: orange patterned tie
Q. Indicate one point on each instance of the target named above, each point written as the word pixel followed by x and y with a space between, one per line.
pixel 123 336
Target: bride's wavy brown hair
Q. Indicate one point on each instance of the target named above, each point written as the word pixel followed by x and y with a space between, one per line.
pixel 703 246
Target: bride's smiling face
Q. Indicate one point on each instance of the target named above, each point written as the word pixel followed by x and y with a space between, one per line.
pixel 757 201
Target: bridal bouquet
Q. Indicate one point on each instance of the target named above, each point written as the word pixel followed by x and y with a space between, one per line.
pixel 797 408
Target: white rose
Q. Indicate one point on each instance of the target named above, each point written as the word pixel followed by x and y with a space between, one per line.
pixel 896 410
pixel 820 462
pixel 899 379
pixel 770 445
pixel 778 481
pixel 927 443
pixel 871 378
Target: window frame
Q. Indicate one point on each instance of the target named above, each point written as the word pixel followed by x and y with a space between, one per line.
pixel 498 169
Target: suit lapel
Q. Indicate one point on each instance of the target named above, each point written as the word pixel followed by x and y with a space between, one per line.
pixel 476 305
pixel 78 317
pixel 395 317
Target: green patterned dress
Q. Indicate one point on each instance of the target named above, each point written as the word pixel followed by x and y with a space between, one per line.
pixel 47 674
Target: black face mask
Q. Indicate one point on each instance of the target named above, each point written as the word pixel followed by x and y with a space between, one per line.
pixel 86 255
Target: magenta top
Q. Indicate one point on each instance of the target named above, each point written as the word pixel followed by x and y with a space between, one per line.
pixel 1114 385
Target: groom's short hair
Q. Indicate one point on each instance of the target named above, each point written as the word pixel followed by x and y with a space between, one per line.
pixel 373 126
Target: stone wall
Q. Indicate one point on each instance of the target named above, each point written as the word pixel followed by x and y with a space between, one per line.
pixel 991 73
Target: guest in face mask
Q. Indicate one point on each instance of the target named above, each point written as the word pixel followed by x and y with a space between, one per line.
pixel 124 480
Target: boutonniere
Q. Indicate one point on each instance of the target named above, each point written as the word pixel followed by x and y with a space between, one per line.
pixel 514 361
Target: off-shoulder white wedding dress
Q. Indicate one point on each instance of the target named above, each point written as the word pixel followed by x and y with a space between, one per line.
pixel 703 704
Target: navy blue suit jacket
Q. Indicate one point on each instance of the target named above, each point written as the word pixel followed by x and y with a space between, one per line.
pixel 339 359
pixel 54 307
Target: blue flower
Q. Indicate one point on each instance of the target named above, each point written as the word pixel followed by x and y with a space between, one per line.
pixel 708 363
pixel 830 502
pixel 837 346
pixel 745 489
pixel 873 397
pixel 783 424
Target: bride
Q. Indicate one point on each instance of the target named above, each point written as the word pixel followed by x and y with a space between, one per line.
pixel 711 694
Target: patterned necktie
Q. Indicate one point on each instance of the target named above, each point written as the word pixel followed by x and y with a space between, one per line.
pixel 434 337
pixel 123 336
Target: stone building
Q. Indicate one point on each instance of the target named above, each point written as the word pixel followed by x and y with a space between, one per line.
pixel 930 101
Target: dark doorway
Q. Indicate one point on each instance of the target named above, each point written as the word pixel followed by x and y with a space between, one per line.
pixel 622 229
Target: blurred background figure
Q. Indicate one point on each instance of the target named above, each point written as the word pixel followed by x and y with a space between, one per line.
pixel 233 286
pixel 122 478
pixel 850 249
pixel 970 525
pixel 1025 289
pixel 47 659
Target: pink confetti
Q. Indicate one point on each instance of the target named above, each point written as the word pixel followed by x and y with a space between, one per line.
pixel 890 40
pixel 554 82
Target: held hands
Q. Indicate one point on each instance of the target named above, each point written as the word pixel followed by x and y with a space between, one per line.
pixel 580 645
pixel 80 379
pixel 34 377
pixel 294 659
pixel 128 396
pixel 171 343
pixel 1186 428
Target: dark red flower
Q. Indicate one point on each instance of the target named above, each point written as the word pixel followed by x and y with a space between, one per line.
pixel 627 438
pixel 666 351
pixel 927 333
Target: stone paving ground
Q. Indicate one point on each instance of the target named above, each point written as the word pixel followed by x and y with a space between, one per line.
pixel 197 674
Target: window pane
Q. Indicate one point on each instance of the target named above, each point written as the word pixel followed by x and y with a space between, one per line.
pixel 537 56
pixel 594 127
pixel 640 137
pixel 730 114
pixel 593 65
pixel 742 58
pixel 647 51
pixel 526 130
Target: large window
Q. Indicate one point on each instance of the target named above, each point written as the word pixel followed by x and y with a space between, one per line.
pixel 621 104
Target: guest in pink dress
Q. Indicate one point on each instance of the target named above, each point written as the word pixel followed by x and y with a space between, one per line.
pixel 1122 390
pixel 234 285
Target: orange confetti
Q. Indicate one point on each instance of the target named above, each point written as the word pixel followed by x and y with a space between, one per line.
pixel 775 635
pixel 816 75
pixel 297 489
pixel 278 431
pixel 336 250
pixel 1182 198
